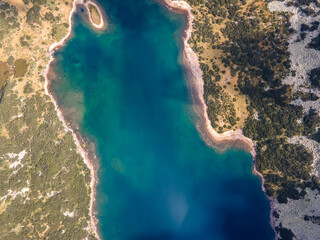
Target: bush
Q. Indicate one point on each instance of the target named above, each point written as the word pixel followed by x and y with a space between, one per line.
pixel 314 77
pixel 311 121
pixel 33 15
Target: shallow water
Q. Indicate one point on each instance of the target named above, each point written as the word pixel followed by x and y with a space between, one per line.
pixel 157 178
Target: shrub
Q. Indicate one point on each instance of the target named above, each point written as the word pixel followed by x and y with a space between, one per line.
pixel 33 15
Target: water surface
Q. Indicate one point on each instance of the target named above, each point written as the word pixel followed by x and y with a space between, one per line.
pixel 157 178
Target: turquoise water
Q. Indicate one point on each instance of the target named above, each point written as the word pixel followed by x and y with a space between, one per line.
pixel 157 178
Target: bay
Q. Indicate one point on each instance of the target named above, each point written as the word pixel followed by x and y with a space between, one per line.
pixel 157 178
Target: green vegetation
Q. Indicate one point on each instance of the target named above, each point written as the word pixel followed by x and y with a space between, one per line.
pixel 25 41
pixel 313 219
pixel 292 160
pixel 314 77
pixel 48 178
pixel 249 48
pixel 315 43
pixel 34 1
pixel 219 103
pixel 253 43
pixel 314 26
pixel 285 234
pixel 95 16
pixel 311 122
pixel 33 15
pixel 28 88
pixel 305 96
pixel 316 136
pixel 10 60
pixel 59 31
pixel 49 17
pixel 284 166
pixel 59 169
pixel 8 18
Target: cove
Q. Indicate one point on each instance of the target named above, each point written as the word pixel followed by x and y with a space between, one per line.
pixel 157 178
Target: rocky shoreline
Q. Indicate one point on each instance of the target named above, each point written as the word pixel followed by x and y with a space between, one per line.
pixel 88 155
pixel 194 74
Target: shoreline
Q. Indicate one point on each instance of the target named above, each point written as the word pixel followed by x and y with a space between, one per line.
pixel 194 74
pixel 103 24
pixel 232 138
pixel 85 154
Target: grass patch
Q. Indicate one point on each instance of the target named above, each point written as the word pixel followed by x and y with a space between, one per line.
pixel 59 31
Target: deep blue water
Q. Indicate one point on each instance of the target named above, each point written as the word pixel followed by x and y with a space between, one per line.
pixel 157 178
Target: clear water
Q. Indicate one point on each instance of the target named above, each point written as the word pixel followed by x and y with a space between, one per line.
pixel 157 178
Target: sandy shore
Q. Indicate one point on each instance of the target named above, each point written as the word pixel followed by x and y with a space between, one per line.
pixel 194 74
pixel 88 159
